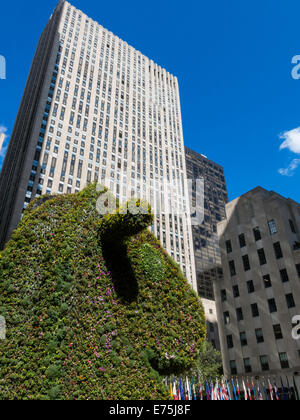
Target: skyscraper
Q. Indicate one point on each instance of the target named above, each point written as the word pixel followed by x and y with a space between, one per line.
pixel 259 296
pixel 96 109
pixel 205 236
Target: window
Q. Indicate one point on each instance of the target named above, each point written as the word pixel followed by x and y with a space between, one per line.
pixel 267 281
pixel 272 227
pixel 284 276
pixel 298 269
pixel 264 363
pixel 228 247
pixel 272 305
pixel 223 295
pixel 239 314
pixel 242 240
pixel 246 263
pixel 236 292
pixel 259 335
pixel 233 367
pixel 255 311
pixel 257 234
pixel 250 286
pixel 229 341
pixel 247 365
pixel 262 256
pixel 278 250
pixel 243 338
pixel 284 361
pixel 292 226
pixel 290 301
pixel 277 332
pixel 226 318
pixel 232 268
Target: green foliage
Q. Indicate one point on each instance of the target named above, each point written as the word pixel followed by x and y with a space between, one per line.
pixel 128 220
pixel 89 318
pixel 209 362
pixel 151 263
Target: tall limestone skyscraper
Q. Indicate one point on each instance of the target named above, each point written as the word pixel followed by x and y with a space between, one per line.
pixel 96 109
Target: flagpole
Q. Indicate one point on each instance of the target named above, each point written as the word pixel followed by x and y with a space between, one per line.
pixel 296 389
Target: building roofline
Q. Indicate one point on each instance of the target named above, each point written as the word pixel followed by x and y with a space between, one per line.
pixel 188 149
pixel 175 77
pixel 270 192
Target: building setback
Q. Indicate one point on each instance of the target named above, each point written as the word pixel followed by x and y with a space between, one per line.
pixel 260 293
pixel 205 236
pixel 96 109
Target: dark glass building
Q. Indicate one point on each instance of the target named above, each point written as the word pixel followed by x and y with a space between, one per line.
pixel 205 236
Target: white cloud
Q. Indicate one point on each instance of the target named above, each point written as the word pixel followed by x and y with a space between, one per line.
pixel 289 171
pixel 292 143
pixel 3 130
pixel 291 140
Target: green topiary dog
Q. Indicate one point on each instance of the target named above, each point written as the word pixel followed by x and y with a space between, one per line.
pixel 94 308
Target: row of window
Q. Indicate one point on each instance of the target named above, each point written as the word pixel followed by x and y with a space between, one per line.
pixel 267 281
pixel 290 301
pixel 257 234
pixel 261 257
pixel 258 334
pixel 264 362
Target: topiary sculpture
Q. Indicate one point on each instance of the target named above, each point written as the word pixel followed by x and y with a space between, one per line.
pixel 94 307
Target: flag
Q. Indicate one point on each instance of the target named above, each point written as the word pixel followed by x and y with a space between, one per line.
pixel 200 391
pixel 265 391
pixel 194 390
pixel 182 394
pixel 228 391
pixel 245 390
pixel 171 391
pixel 187 389
pixel 216 392
pixel 178 391
pixel 175 396
pixel 254 391
pixel 221 393
pixel 285 396
pixel 208 396
pixel 224 391
pixel 249 390
pixel 276 393
pixel 271 391
pixel 238 389
pixel 296 389
pixel 213 398
pixel 234 390
pixel 259 393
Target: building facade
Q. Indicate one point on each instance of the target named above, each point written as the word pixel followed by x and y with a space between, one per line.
pixel 96 109
pixel 259 295
pixel 205 236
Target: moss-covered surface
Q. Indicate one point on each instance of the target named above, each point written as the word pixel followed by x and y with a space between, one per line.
pixel 88 319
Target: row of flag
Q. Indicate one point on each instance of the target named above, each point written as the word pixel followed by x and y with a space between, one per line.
pixel 232 390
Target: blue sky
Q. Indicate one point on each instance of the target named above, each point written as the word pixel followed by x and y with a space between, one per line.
pixel 233 62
